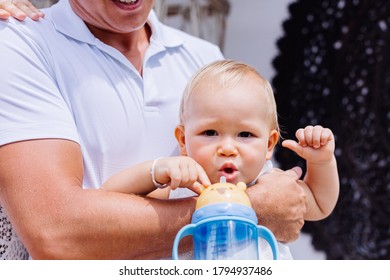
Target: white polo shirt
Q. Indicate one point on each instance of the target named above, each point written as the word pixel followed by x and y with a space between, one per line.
pixel 59 81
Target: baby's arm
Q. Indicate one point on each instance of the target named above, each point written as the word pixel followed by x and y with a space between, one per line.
pixel 176 172
pixel 316 145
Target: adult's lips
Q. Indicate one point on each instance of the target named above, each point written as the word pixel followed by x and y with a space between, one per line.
pixel 128 4
pixel 127 1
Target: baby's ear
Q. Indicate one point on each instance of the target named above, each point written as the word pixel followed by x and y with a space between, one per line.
pixel 181 139
pixel 272 141
pixel 241 186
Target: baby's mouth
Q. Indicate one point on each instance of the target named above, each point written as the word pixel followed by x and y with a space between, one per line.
pixel 228 170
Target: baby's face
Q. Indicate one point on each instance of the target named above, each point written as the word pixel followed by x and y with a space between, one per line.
pixel 226 130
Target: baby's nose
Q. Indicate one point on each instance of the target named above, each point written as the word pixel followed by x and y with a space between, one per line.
pixel 227 148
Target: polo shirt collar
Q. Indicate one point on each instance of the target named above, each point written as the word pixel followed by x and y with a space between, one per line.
pixel 162 33
pixel 67 22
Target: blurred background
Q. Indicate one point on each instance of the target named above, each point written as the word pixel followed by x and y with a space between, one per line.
pixel 328 62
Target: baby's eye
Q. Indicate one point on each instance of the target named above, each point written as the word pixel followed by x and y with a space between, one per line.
pixel 210 132
pixel 245 134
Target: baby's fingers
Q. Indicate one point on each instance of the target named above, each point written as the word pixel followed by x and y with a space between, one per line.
pixel 326 136
pixel 202 182
pixel 196 188
pixel 202 176
pixel 313 136
pixel 188 174
pixel 300 134
pixel 293 146
pixel 316 136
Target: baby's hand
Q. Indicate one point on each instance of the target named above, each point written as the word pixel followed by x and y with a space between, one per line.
pixel 181 171
pixel 315 144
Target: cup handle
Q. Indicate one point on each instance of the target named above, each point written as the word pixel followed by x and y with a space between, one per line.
pixel 270 238
pixel 185 231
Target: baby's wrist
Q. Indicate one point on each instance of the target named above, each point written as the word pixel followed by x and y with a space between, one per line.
pixel 152 173
pixel 323 162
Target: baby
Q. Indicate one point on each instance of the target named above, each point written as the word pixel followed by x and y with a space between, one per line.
pixel 229 127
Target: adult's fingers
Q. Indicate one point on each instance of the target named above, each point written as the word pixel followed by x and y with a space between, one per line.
pixel 9 8
pixel 29 9
pixel 295 172
pixel 4 14
pixel 20 9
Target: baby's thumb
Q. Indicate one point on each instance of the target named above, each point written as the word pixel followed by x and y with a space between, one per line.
pixel 293 146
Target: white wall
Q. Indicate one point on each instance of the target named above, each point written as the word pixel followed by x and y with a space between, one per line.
pixel 252 30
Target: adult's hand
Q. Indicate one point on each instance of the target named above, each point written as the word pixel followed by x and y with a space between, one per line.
pixel 19 9
pixel 280 203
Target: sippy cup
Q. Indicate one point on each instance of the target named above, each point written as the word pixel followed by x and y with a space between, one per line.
pixel 224 226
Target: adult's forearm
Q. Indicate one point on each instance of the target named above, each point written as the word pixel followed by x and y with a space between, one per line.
pixel 104 225
pixel 40 190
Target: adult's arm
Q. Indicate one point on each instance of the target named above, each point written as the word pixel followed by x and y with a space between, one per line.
pixel 19 9
pixel 41 190
pixel 279 200
pixel 40 180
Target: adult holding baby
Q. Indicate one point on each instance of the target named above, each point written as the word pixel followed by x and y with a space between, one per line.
pixel 94 88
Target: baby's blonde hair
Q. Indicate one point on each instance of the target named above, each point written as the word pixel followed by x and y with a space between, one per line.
pixel 228 73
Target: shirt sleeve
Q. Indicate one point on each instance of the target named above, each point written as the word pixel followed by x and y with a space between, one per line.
pixel 31 104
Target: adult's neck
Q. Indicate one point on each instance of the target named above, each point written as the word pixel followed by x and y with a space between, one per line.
pixel 132 45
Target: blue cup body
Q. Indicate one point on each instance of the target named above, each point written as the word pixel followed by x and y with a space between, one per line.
pixel 225 232
pixel 225 239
